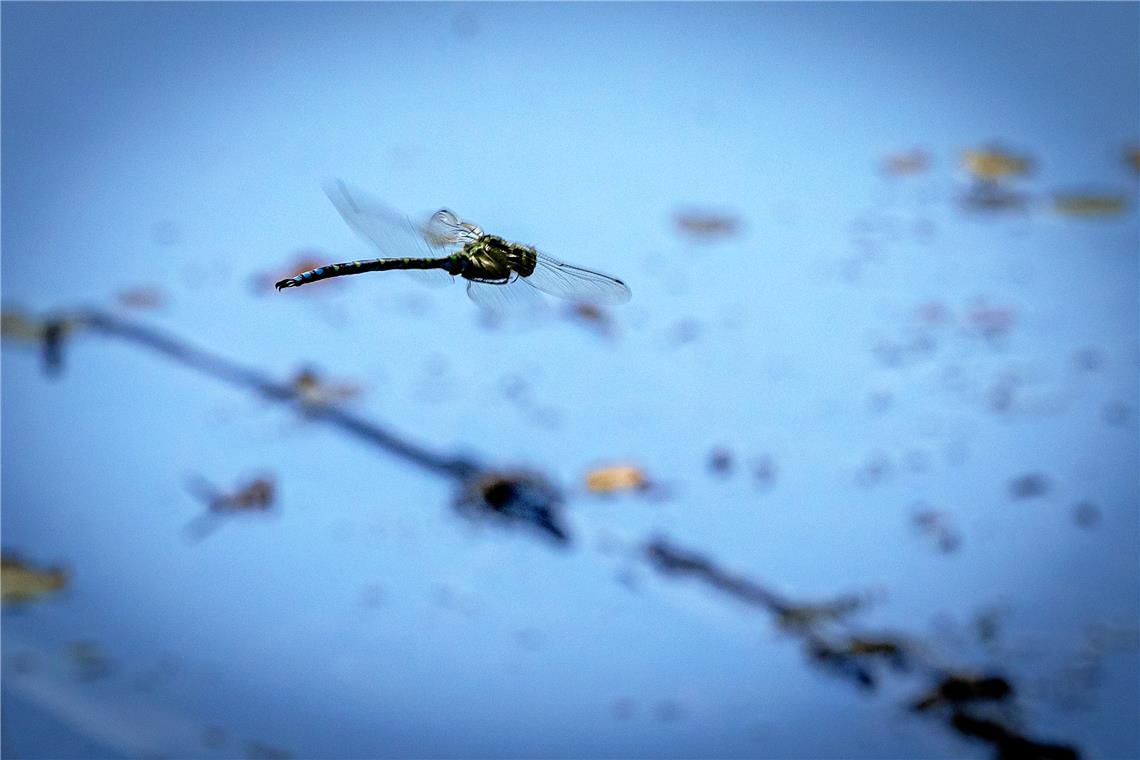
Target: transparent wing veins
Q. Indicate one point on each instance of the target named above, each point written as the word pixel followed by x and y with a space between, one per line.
pixel 573 283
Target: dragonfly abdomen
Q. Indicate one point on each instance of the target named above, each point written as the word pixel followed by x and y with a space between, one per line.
pixel 451 264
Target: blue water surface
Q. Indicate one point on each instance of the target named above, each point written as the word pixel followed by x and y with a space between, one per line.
pixel 888 349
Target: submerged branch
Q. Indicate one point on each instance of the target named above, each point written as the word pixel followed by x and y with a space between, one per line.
pixel 957 699
pixel 235 374
pixel 527 497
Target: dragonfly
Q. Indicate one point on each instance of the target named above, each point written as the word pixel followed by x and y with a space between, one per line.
pixel 500 274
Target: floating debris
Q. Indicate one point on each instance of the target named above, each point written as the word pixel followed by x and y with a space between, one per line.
pixel 146 297
pixel 1090 204
pixel 810 615
pixel 958 690
pixel 614 478
pixel 933 522
pixel 668 711
pixel 1132 157
pixel 623 708
pixel 987 624
pixel 988 197
pixel 213 737
pixel 707 225
pixel 20 582
pixel 990 321
pixel 721 462
pixel 1029 486
pixel 90 662
pixel 1116 413
pixel 906 163
pixel 313 390
pixel 856 657
pixel 592 317
pixel 257 495
pixel 683 331
pixel 875 470
pixel 372 596
pixel 49 333
pixel 517 496
pixel 1089 360
pixel 764 471
pixel 259 751
pixel 996 163
pixel 1086 515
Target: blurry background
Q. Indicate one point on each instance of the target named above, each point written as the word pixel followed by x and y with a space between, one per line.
pixel 883 341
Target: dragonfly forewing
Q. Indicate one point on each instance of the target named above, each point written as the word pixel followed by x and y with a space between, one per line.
pixel 573 283
pixel 394 234
pixel 514 296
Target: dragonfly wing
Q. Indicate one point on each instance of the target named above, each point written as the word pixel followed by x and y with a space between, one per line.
pixel 513 296
pixel 387 229
pixel 577 284
pixel 433 278
pixel 446 230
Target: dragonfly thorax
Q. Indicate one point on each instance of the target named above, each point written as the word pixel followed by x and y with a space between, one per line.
pixel 492 259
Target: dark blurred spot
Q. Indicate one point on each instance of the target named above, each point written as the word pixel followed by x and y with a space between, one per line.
pixel 937 524
pixel 856 658
pixel 990 321
pixel 259 751
pixel 668 711
pixel 683 331
pixel 916 460
pixel 720 462
pixel 142 298
pixel 764 471
pixel 880 400
pixel 875 470
pixel 623 708
pixel 592 317
pixel 987 197
pixel 1029 486
pixel 164 233
pixel 213 737
pixel 987 624
pixel 1089 204
pixel 1086 515
pixel 1089 360
pixel 958 690
pixel 518 496
pixel 529 639
pixel 54 334
pixel 372 596
pixel 89 661
pixel 1116 413
pixel 932 314
pixel 465 24
pixel 706 225
pixel 1132 157
pixel 906 163
pixel 24 662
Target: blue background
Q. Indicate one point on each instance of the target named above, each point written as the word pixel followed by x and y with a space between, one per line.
pixel 183 146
